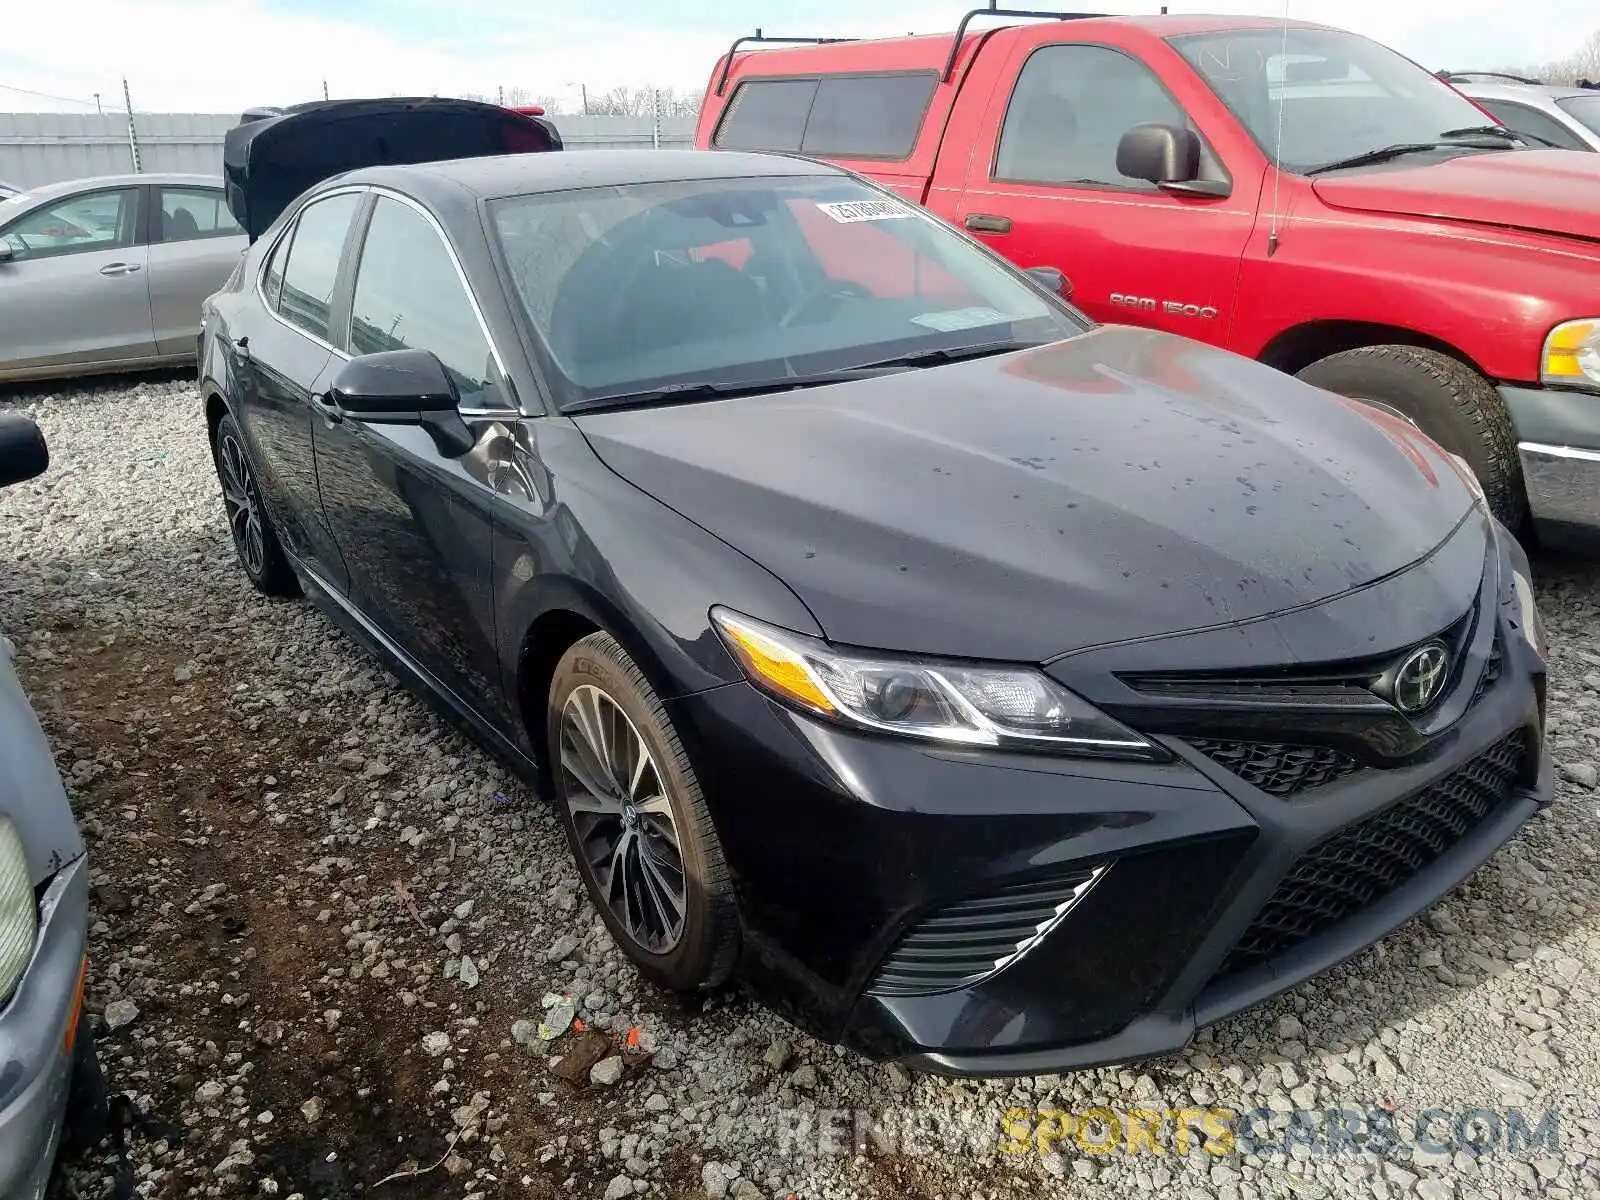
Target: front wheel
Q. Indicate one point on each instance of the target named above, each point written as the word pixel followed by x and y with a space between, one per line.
pixel 636 820
pixel 1447 400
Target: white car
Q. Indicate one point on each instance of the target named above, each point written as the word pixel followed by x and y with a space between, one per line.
pixel 1546 114
pixel 108 274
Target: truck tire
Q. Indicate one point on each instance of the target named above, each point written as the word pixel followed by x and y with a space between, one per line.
pixel 1447 400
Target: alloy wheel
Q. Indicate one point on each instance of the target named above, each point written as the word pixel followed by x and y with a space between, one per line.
pixel 243 506
pixel 616 795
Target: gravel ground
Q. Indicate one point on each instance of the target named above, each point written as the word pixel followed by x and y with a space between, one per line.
pixel 337 951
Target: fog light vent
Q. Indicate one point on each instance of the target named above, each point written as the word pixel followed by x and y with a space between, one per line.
pixel 960 944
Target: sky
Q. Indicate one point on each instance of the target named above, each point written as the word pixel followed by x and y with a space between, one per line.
pixel 227 55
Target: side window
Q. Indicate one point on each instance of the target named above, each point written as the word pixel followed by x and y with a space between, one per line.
pixel 842 116
pixel 409 297
pixel 1537 125
pixel 188 214
pixel 1070 108
pixel 272 273
pixel 768 114
pixel 78 225
pixel 312 268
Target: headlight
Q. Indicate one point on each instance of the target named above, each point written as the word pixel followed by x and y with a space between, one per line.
pixel 1572 354
pixel 956 703
pixel 19 911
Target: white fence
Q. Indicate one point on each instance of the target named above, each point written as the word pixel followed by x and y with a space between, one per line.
pixel 40 148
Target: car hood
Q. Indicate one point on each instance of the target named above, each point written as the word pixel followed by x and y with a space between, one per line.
pixel 1547 191
pixel 275 154
pixel 1121 484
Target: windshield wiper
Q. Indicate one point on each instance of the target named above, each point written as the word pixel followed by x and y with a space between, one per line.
pixel 934 358
pixel 1385 153
pixel 682 393
pixel 1499 131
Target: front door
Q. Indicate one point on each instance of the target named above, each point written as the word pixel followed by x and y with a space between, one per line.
pixel 1044 190
pixel 412 522
pixel 72 284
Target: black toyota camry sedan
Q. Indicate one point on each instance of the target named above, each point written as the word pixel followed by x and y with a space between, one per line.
pixel 995 692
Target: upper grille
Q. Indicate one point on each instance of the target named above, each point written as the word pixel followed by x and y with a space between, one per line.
pixel 1278 768
pixel 964 942
pixel 1364 862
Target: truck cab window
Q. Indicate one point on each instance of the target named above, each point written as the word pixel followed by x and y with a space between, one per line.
pixel 1070 108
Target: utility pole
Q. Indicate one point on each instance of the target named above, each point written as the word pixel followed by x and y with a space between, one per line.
pixel 655 118
pixel 584 87
pixel 133 136
pixel 500 95
pixel 97 106
pixel 324 89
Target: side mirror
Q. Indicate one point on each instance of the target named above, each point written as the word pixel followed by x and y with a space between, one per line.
pixel 1052 280
pixel 402 387
pixel 7 254
pixel 1167 156
pixel 23 452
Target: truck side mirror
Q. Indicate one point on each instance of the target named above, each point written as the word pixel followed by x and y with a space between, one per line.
pixel 1167 156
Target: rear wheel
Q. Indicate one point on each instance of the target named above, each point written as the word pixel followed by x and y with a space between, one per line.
pixel 254 539
pixel 1447 400
pixel 636 820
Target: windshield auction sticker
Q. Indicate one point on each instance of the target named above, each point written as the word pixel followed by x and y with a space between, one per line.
pixel 849 211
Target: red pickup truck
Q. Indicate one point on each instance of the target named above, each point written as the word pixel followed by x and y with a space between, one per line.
pixel 1291 192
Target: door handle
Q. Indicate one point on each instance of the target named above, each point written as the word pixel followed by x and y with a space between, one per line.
pixel 984 223
pixel 327 407
pixel 119 268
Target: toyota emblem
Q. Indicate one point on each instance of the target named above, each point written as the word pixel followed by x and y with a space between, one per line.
pixel 1420 679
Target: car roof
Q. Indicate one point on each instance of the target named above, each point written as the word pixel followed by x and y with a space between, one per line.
pixel 930 50
pixel 66 187
pixel 521 174
pixel 1524 91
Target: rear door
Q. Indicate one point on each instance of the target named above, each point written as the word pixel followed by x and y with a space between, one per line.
pixel 284 348
pixel 73 288
pixel 1042 188
pixel 194 245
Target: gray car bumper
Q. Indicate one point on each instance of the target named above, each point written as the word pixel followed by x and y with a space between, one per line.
pixel 1558 436
pixel 35 1057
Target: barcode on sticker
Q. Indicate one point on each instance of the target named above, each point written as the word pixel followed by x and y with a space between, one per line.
pixel 864 210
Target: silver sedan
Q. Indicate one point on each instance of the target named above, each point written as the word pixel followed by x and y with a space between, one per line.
pixel 108 274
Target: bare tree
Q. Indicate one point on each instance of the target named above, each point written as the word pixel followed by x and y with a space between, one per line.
pixel 1583 63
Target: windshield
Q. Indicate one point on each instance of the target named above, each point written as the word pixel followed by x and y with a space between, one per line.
pixel 719 282
pixel 1585 108
pixel 1337 95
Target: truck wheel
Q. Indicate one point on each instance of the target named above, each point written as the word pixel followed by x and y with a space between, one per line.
pixel 1449 401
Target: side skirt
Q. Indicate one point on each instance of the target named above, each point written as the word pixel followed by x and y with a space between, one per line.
pixel 417 679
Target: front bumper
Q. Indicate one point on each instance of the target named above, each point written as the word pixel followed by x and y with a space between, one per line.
pixel 35 1050
pixel 846 850
pixel 1558 439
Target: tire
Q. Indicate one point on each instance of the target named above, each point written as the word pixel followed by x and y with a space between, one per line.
pixel 1449 401
pixel 255 541
pixel 597 687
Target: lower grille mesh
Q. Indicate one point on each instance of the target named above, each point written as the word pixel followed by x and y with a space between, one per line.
pixel 1366 861
pixel 1278 768
pixel 962 943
